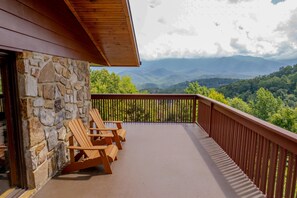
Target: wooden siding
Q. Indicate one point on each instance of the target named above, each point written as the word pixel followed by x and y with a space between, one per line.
pixel 45 26
pixel 109 25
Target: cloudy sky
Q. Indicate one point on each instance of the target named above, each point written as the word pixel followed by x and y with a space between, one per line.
pixel 207 28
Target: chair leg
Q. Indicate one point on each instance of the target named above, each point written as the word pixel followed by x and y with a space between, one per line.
pixel 117 140
pixel 119 144
pixel 106 165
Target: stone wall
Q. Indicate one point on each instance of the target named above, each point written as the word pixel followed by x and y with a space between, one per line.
pixel 52 91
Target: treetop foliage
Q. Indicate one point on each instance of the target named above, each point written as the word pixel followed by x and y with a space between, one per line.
pixel 239 104
pixel 282 84
pixel 104 82
pixel 265 104
pixel 195 88
pixel 285 118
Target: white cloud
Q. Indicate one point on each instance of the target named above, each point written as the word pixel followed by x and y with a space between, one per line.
pixel 238 1
pixel 240 48
pixel 162 20
pixel 195 28
pixel 155 3
pixel 289 28
pixel 276 1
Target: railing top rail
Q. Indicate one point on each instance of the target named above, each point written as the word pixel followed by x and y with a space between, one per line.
pixel 273 128
pixel 144 96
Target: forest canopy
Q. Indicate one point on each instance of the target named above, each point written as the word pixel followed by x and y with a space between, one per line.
pixel 282 84
pixel 104 82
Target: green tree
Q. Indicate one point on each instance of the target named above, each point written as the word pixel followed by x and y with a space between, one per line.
pixel 213 94
pixel 239 104
pixel 99 80
pixel 285 118
pixel 126 85
pixel 195 88
pixel 264 105
pixel 104 82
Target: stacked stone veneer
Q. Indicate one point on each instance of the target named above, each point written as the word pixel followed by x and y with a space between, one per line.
pixel 52 91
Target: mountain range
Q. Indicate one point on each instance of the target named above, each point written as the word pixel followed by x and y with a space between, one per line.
pixel 166 72
pixel 179 88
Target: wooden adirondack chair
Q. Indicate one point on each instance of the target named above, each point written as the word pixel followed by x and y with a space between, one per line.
pixel 89 155
pixel 119 134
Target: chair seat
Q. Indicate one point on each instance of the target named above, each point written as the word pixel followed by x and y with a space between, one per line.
pixel 122 134
pixel 111 152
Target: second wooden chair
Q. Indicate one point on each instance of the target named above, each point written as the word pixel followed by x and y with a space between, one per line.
pixel 119 134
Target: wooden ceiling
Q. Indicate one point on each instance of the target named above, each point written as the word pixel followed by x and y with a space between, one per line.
pixel 109 25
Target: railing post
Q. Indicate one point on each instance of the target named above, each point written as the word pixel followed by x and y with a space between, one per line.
pixel 210 120
pixel 194 108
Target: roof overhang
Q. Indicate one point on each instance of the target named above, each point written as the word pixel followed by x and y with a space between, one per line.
pixel 109 25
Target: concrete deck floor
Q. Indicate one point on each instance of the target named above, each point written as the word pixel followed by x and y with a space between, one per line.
pixel 159 160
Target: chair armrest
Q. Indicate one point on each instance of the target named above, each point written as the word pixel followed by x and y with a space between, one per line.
pixel 87 148
pixel 101 135
pixel 104 129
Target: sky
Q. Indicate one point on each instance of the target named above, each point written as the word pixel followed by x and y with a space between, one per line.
pixel 215 28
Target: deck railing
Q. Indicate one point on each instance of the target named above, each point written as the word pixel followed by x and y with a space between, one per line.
pixel 146 108
pixel 266 153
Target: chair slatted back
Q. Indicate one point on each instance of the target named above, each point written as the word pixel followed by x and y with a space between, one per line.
pixel 79 131
pixel 97 118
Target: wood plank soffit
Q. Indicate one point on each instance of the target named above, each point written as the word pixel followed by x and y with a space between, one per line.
pixel 72 9
pixel 109 25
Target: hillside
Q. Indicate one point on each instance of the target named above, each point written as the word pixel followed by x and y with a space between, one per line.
pixel 166 72
pixel 180 87
pixel 282 83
